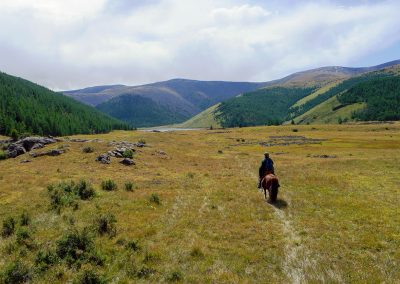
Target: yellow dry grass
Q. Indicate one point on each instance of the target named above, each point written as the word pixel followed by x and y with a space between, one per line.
pixel 337 219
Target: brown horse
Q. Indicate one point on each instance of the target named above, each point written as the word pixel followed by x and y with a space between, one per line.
pixel 271 183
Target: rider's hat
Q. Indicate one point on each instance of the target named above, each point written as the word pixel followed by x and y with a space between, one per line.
pixel 266 153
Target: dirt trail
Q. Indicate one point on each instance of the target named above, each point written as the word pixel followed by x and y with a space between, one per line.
pixel 296 260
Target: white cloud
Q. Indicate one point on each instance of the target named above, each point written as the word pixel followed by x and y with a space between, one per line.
pixel 68 44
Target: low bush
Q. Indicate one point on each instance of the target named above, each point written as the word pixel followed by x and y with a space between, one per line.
pixel 175 276
pixel 295 130
pixel 105 224
pixel 45 259
pixel 142 141
pixel 3 155
pixel 23 236
pixel 8 227
pixel 16 272
pixel 66 194
pixel 154 198
pixel 145 272
pixel 109 185
pixel 89 276
pixel 84 190
pixel 77 247
pixel 88 149
pixel 133 245
pixel 128 154
pixel 129 186
pixel 196 252
pixel 25 218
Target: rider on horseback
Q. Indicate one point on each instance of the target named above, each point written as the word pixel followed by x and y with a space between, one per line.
pixel 267 167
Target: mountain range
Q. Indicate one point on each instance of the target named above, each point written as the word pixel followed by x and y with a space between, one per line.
pixel 178 100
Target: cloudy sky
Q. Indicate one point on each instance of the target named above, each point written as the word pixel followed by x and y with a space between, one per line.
pixel 66 44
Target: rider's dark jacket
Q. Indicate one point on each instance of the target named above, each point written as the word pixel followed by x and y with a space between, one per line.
pixel 266 165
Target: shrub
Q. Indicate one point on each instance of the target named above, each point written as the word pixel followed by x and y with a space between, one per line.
pixel 133 245
pixel 142 141
pixel 145 272
pixel 66 193
pixel 8 227
pixel 14 134
pixel 109 185
pixel 3 155
pixel 24 237
pixel 75 247
pixel 155 199
pixel 45 259
pixel 105 224
pixel 84 190
pixel 190 175
pixel 128 154
pixel 24 219
pixel 88 149
pixel 129 186
pixel 220 152
pixel 295 130
pixel 16 272
pixel 175 276
pixel 196 252
pixel 89 276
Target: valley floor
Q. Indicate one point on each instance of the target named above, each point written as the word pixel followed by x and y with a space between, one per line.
pixel 337 219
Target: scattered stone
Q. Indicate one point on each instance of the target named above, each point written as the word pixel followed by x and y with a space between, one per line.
pixel 27 144
pixel 25 161
pixel 54 152
pixel 162 153
pixel 127 162
pixel 104 159
pixel 290 140
pixel 325 156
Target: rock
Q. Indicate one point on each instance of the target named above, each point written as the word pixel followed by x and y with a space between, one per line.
pixel 104 159
pixel 140 145
pixel 54 152
pixel 14 150
pixel 27 144
pixel 25 161
pixel 127 162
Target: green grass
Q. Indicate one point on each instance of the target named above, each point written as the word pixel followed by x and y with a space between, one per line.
pixel 204 119
pixel 336 221
pixel 325 113
pixel 316 94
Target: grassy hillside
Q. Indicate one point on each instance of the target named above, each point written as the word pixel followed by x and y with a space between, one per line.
pixel 330 111
pixel 28 107
pixel 139 111
pixel 264 106
pixel 204 119
pixel 196 216
pixel 381 96
pixel 315 94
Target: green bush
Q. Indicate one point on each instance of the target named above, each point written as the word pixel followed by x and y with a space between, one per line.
pixel 129 186
pixel 128 154
pixel 105 224
pixel 24 237
pixel 89 276
pixel 133 245
pixel 66 194
pixel 175 276
pixel 154 198
pixel 3 155
pixel 16 272
pixel 14 134
pixel 84 190
pixel 8 227
pixel 88 149
pixel 77 247
pixel 45 259
pixel 109 185
pixel 24 219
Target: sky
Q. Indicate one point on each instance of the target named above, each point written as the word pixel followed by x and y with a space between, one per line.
pixel 69 44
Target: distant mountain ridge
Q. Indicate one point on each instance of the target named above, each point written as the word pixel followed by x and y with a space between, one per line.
pixel 182 99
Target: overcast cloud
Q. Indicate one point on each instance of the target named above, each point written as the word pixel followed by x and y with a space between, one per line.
pixel 74 43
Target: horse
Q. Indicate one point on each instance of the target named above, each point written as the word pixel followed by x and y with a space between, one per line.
pixel 270 182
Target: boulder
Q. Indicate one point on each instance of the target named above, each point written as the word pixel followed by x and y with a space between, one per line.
pixel 127 162
pixel 104 159
pixel 27 144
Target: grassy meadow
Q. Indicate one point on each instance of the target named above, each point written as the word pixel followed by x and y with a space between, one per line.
pixel 194 214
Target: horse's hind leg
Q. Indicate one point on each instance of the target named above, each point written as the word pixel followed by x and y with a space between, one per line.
pixel 265 194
